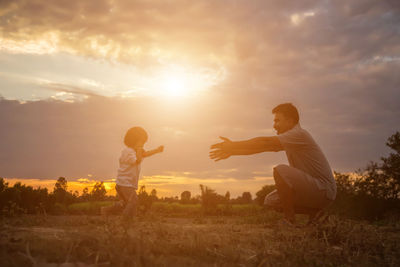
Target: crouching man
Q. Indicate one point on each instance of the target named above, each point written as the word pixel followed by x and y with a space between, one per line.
pixel 306 185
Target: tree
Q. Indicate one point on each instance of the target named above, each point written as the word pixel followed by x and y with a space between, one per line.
pixel 61 185
pixel 209 200
pixel 382 180
pixel 185 197
pixel 153 195
pixel 391 166
pixel 144 199
pixel 85 194
pixel 99 191
pixel 246 198
pixel 60 192
pixel 22 199
pixel 227 196
pixel 373 191
pixel 3 185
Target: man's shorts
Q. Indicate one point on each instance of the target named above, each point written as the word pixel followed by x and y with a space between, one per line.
pixel 306 192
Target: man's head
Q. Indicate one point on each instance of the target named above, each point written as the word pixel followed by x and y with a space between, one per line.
pixel 286 117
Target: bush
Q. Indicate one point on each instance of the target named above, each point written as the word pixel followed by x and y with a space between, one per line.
pixel 355 202
pixel 22 199
pixel 145 201
pixel 260 195
pixel 209 200
pixel 373 192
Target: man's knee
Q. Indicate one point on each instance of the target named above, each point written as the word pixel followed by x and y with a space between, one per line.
pixel 277 170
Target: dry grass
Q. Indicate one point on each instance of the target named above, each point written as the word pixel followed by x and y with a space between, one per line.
pixel 201 241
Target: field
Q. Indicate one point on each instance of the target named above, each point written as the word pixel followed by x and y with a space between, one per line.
pixel 155 239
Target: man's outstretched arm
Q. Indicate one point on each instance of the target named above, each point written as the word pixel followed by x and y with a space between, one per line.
pixel 256 145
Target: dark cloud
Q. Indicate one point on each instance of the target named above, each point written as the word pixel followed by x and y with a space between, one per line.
pixel 240 29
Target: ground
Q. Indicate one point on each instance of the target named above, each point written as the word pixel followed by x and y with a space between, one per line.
pixel 154 240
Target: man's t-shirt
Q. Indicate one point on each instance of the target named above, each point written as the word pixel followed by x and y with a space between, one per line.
pixel 303 153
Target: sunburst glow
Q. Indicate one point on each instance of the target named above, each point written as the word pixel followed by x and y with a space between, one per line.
pixel 176 81
pixel 176 85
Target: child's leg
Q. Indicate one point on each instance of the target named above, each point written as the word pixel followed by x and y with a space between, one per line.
pixel 131 205
pixel 118 206
pixel 129 198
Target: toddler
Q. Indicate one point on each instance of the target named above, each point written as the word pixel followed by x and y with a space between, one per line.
pixel 129 170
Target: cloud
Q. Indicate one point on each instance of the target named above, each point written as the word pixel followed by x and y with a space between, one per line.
pixel 204 32
pixel 64 88
pixel 256 42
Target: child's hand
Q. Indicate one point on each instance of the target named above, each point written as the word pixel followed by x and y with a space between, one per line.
pixel 160 149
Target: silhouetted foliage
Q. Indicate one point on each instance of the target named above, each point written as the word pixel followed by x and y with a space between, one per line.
pixel 209 200
pixel 185 197
pixel 382 180
pixel 61 185
pixel 145 200
pixel 22 199
pixel 374 191
pixel 153 195
pixel 227 196
pixel 85 194
pixel 60 190
pixel 98 192
pixel 246 198
pixel 260 195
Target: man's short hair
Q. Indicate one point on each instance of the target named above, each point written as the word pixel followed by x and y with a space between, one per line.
pixel 288 110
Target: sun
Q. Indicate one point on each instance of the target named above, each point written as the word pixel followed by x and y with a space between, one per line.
pixel 175 85
pixel 175 82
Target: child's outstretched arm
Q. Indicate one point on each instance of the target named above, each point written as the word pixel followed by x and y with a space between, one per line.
pixel 152 152
pixel 139 154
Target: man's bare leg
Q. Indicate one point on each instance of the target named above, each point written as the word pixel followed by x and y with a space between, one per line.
pixel 285 193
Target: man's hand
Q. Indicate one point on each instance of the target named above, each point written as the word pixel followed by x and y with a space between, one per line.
pixel 221 150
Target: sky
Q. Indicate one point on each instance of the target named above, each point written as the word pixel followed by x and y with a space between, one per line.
pixel 75 75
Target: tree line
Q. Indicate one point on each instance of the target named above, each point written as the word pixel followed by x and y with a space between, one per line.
pixel 21 198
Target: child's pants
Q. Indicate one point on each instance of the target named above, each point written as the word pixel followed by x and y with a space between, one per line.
pixel 129 198
pixel 127 205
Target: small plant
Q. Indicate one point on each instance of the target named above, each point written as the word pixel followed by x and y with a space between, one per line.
pixel 209 200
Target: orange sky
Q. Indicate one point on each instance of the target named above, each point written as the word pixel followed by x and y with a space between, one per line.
pixel 166 186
